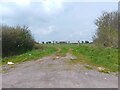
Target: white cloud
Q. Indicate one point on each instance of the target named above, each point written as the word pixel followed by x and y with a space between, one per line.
pixel 22 2
pixel 18 2
pixel 51 6
pixel 76 34
pixel 91 0
pixel 83 33
pixel 62 0
pixel 39 17
pixel 48 6
pixel 45 31
pixel 49 2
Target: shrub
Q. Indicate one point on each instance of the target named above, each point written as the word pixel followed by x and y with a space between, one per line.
pixel 16 40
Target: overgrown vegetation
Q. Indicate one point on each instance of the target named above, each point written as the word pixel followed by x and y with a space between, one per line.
pixel 41 51
pixel 107 31
pixel 86 54
pixel 0 42
pixel 16 40
pixel 97 56
pixel 62 50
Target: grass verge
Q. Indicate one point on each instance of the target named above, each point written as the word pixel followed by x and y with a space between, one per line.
pixel 30 55
pixel 105 57
pixel 95 56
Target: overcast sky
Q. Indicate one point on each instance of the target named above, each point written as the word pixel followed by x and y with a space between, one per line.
pixel 55 19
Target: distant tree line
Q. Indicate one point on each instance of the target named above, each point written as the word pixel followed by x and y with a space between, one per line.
pixel 65 42
pixel 107 30
pixel 16 40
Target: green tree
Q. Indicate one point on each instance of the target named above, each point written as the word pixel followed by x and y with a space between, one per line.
pixel 107 30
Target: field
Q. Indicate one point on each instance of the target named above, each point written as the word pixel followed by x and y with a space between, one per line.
pixel 85 53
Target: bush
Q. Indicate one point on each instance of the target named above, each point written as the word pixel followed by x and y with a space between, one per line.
pixel 16 40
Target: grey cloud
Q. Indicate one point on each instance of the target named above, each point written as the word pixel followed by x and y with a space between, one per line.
pixel 74 22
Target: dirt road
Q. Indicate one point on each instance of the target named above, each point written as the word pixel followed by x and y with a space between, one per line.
pixel 56 72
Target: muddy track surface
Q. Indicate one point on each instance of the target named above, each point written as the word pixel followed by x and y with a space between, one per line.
pixel 55 72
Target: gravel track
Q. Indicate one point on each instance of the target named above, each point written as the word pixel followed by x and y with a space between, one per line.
pixel 55 72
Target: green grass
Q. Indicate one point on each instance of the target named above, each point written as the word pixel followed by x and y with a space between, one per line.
pixel 86 53
pixel 62 49
pixel 106 57
pixel 31 55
